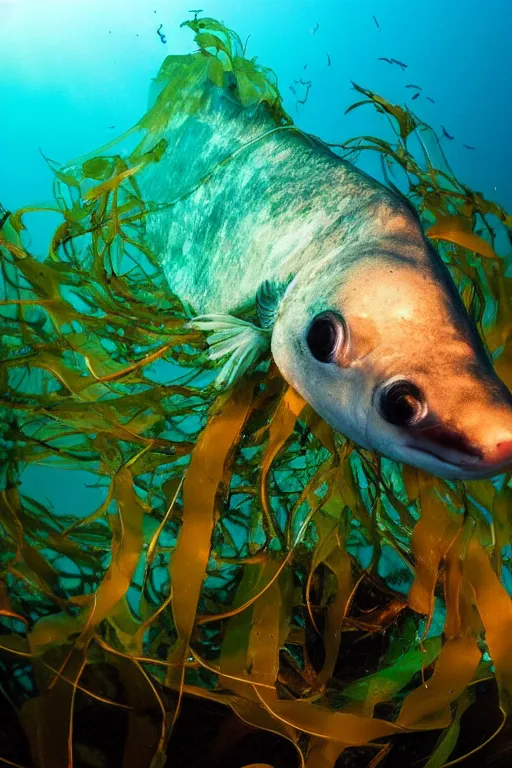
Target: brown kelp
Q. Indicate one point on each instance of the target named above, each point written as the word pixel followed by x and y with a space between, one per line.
pixel 241 552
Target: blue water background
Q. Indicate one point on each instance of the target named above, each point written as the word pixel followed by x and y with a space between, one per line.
pixel 70 69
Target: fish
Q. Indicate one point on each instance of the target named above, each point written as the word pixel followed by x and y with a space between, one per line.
pixel 468 146
pixel 416 95
pixel 308 85
pixel 292 89
pixel 400 63
pixel 376 22
pixel 411 85
pixel 314 29
pixel 446 134
pixel 281 249
pixel 328 60
pixel 383 58
pixel 429 98
pixel 161 35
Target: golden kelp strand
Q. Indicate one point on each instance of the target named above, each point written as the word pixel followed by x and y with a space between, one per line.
pixel 340 566
pixel 495 608
pixel 448 739
pixel 207 470
pixel 458 230
pixel 428 706
pixel 431 538
pixel 281 428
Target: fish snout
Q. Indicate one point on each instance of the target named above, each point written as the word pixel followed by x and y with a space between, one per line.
pixel 499 452
pixel 471 457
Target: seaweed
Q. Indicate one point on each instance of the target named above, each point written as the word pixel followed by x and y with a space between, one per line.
pixel 241 551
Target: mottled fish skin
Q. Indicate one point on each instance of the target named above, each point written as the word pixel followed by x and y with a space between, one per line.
pixel 279 205
pixel 282 203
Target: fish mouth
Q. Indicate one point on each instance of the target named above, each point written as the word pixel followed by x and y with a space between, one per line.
pixel 461 470
pixel 468 469
pixel 435 455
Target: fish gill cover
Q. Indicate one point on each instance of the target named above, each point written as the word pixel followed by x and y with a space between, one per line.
pixel 241 552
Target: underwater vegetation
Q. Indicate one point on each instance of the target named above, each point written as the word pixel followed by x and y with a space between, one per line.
pixel 242 553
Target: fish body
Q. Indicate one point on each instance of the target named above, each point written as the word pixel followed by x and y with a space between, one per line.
pixel 446 134
pixel 411 85
pixel 359 311
pixel 416 96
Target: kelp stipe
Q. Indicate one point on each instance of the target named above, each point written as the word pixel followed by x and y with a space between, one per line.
pixel 241 552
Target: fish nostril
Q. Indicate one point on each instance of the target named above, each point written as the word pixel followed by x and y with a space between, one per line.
pixel 502 453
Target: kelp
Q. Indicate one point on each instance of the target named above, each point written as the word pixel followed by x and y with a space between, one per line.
pixel 241 552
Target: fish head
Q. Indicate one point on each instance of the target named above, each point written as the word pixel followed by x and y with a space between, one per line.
pixel 388 356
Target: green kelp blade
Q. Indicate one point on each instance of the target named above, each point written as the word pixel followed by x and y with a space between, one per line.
pixel 382 685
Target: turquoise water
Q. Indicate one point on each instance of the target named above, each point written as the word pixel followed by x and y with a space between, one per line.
pixel 70 70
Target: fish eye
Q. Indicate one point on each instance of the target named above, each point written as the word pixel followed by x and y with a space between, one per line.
pixel 325 336
pixel 402 403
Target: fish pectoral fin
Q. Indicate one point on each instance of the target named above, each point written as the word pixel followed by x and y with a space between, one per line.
pixel 242 343
pixel 268 298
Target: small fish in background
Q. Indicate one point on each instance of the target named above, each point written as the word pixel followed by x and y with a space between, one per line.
pixel 305 66
pixel 328 60
pixel 446 134
pixel 308 84
pixel 383 58
pixel 416 95
pixel 293 90
pixel 314 29
pixel 429 98
pixel 468 146
pixel 376 22
pixel 111 127
pixel 161 35
pixel 411 85
pixel 400 63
